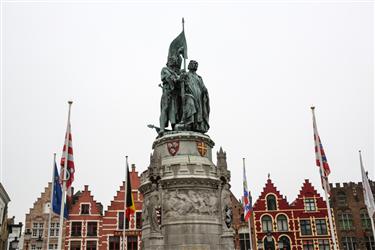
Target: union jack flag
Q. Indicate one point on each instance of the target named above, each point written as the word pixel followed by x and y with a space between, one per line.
pixel 247 200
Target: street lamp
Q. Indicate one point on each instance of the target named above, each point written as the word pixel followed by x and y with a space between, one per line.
pixel 269 236
pixel 27 238
pixel 260 244
pixel 39 242
pixel 14 243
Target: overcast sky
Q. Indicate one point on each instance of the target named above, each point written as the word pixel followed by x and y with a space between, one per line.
pixel 264 65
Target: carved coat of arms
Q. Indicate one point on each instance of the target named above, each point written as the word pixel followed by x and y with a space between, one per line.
pixel 173 147
pixel 202 148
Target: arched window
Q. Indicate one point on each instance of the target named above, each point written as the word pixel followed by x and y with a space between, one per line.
pixel 341 199
pixel 365 219
pixel 284 243
pixel 267 223
pixel 271 202
pixel 282 223
pixel 269 244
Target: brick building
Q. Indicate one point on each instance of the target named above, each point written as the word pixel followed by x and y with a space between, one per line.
pixel 303 224
pixel 36 222
pixel 241 228
pixel 353 222
pixel 113 226
pixel 85 222
pixel 4 200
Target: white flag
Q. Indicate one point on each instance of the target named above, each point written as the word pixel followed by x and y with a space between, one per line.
pixel 367 193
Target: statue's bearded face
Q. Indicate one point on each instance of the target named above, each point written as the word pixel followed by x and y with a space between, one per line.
pixel 193 65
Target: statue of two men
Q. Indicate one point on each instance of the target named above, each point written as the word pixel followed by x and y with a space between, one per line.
pixel 185 100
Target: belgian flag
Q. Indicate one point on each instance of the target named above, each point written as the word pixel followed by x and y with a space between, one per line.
pixel 130 207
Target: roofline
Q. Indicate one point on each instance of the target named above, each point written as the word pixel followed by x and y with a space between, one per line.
pixel 4 193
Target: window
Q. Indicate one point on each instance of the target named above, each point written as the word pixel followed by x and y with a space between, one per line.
pixel 244 242
pixel 308 245
pixel 132 243
pixel 138 218
pixel 305 227
pixel 345 220
pixel 75 245
pixel 341 199
pixel 33 247
pixel 76 228
pixel 92 228
pixel 365 219
pixel 285 243
pixel 120 221
pixel 85 208
pixel 282 223
pixel 310 204
pixel 267 223
pixel 324 245
pixel 321 226
pixel 114 243
pixel 52 246
pixel 37 229
pixel 269 245
pixel 91 245
pixel 370 245
pixel 54 229
pixel 349 243
pixel 271 202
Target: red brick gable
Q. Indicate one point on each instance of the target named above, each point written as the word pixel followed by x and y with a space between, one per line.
pixel 85 197
pixel 308 191
pixel 268 189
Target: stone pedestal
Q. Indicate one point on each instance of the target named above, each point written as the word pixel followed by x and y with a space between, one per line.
pixel 186 197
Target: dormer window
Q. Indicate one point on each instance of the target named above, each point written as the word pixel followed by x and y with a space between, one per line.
pixel 85 208
pixel 310 204
pixel 271 202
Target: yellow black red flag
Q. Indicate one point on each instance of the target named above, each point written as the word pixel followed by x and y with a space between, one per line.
pixel 130 207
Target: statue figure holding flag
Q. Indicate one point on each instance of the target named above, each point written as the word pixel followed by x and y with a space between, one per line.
pixel 184 102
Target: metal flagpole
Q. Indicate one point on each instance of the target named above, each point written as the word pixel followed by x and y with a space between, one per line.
pixel 51 200
pixel 363 187
pixel 125 191
pixel 248 221
pixel 325 181
pixel 64 179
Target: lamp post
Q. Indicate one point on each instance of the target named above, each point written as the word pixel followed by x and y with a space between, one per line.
pixel 39 242
pixel 27 238
pixel 260 244
pixel 14 243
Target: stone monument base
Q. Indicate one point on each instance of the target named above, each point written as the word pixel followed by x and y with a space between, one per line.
pixel 192 194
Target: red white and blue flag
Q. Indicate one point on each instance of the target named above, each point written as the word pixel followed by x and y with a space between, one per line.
pixel 68 150
pixel 321 158
pixel 247 200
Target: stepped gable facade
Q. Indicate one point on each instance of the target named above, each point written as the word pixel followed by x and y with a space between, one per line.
pixel 353 222
pixel 112 230
pixel 302 224
pixel 85 222
pixel 36 222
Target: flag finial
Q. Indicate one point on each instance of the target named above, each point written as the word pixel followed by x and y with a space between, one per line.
pixel 312 107
pixel 70 102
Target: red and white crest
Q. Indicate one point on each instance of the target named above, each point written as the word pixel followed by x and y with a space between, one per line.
pixel 173 147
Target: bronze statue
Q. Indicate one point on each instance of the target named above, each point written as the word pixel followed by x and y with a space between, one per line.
pixel 184 102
